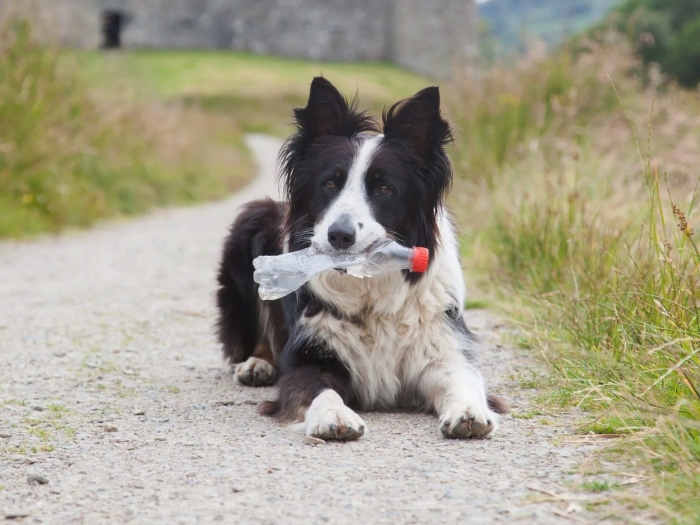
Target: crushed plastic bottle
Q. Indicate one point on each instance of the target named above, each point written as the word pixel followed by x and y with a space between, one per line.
pixel 282 274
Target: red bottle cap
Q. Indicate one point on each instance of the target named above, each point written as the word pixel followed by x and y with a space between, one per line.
pixel 421 257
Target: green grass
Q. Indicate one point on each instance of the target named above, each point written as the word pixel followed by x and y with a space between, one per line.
pixel 70 155
pixel 258 91
pixel 581 190
pixel 598 485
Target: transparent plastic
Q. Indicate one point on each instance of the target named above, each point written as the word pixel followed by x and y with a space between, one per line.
pixel 282 274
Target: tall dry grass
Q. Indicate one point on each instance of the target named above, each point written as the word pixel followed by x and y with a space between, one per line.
pixel 69 155
pixel 579 188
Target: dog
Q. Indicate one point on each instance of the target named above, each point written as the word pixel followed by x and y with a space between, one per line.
pixel 341 343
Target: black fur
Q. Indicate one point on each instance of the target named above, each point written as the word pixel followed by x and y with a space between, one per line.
pixel 255 232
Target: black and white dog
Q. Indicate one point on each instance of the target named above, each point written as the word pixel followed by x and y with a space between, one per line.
pixel 341 342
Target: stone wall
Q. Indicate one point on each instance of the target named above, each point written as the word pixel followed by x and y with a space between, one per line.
pixel 428 36
pixel 433 37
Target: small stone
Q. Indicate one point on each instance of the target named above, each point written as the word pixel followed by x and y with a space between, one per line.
pixel 140 413
pixel 236 491
pixel 5 435
pixel 38 408
pixel 59 354
pixel 224 403
pixel 200 406
pixel 161 439
pixel 313 441
pixel 37 480
pixel 17 514
pixel 110 428
pixel 250 402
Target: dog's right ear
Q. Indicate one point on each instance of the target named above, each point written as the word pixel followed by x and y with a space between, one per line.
pixel 328 113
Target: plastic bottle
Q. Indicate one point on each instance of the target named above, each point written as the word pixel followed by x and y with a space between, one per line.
pixel 282 274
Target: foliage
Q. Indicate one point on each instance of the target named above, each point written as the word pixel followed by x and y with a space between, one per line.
pixel 69 157
pixel 580 200
pixel 666 32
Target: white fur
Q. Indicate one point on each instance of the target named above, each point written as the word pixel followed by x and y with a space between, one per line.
pixel 256 372
pixel 404 350
pixel 329 418
pixel 352 203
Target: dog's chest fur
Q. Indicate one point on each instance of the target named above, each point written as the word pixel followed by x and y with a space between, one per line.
pixel 387 330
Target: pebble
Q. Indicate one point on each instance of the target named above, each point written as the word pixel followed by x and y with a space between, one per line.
pixel 35 479
pixel 5 435
pixel 38 408
pixel 140 413
pixel 17 514
pixel 313 441
pixel 110 428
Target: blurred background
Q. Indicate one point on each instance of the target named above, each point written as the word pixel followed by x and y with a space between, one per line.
pixel 577 155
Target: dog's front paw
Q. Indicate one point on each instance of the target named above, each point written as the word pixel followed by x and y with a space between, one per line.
pixel 464 422
pixel 329 418
pixel 255 372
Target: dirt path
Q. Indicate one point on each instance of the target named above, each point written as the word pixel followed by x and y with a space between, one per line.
pixel 112 389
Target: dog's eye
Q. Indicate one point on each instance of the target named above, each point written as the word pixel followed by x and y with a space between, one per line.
pixel 384 190
pixel 330 185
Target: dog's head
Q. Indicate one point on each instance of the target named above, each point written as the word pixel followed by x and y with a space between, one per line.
pixel 350 183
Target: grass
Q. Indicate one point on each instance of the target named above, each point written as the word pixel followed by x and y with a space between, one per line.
pixel 258 91
pixel 70 155
pixel 578 191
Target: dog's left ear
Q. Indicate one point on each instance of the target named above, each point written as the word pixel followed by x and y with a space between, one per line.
pixel 418 122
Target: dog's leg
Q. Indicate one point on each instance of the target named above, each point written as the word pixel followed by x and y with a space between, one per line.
pixel 329 418
pixel 455 389
pixel 315 396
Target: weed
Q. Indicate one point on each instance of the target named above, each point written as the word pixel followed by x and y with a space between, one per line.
pixel 598 485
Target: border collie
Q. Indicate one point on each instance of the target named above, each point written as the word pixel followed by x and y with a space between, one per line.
pixel 342 343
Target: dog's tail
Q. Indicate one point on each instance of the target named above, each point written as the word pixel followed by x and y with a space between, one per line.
pixel 269 408
pixel 498 404
pixel 256 231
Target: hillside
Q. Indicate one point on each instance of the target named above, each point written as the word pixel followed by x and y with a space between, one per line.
pixel 510 21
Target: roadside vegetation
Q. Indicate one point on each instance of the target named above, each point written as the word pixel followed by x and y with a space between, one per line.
pixel 578 198
pixel 71 154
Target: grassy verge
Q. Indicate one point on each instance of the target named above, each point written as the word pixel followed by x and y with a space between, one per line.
pixel 579 192
pixel 70 155
pixel 258 91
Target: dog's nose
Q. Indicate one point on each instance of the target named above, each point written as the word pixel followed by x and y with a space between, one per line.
pixel 341 234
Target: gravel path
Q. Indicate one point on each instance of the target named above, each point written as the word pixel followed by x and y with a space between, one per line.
pixel 112 390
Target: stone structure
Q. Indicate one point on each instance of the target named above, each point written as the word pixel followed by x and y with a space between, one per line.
pixel 428 36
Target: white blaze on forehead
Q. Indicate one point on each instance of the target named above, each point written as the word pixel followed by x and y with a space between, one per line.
pixel 360 165
pixel 352 201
